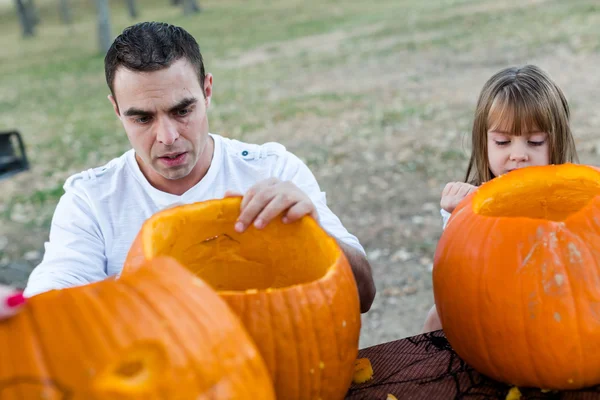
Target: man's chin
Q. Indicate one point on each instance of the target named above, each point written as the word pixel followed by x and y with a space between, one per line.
pixel 174 174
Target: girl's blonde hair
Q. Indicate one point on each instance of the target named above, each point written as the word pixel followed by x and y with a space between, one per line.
pixel 529 98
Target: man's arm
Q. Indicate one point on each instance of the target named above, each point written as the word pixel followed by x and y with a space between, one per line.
pixel 362 275
pixel 74 254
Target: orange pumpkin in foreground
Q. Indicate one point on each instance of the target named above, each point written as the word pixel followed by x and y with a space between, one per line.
pixel 290 284
pixel 158 333
pixel 516 277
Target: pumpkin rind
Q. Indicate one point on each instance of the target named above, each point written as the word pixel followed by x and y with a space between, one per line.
pixel 363 371
pixel 157 333
pixel 516 277
pixel 306 329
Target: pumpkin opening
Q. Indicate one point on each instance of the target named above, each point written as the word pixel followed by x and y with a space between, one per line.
pixel 137 370
pixel 130 369
pixel 201 236
pixel 538 192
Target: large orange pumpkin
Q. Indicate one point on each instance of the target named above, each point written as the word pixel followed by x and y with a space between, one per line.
pixel 158 333
pixel 516 277
pixel 290 284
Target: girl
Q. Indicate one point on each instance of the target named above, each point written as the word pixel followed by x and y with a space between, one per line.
pixel 521 120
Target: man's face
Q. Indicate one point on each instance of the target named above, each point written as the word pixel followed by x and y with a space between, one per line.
pixel 164 115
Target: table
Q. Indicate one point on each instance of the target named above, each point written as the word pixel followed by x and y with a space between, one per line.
pixel 426 367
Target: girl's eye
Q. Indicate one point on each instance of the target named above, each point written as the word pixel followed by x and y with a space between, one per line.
pixel 502 142
pixel 536 143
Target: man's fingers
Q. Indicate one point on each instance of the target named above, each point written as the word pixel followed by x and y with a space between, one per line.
pixel 279 204
pixel 232 193
pixel 257 188
pixel 254 207
pixel 299 210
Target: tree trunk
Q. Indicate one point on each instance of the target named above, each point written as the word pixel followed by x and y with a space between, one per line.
pixel 131 7
pixel 190 7
pixel 65 12
pixel 32 12
pixel 27 24
pixel 104 35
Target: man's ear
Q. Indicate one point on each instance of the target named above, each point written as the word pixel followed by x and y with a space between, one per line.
pixel 208 88
pixel 113 101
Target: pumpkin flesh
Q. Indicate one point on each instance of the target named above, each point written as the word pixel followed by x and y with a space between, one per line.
pixel 290 284
pixel 516 277
pixel 156 333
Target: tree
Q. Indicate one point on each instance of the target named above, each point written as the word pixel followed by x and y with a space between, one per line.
pixel 104 35
pixel 190 6
pixel 27 16
pixel 65 11
pixel 131 7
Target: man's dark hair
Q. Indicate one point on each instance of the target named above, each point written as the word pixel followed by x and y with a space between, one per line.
pixel 151 46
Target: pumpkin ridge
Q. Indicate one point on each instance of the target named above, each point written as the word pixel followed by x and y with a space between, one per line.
pixel 196 308
pixel 334 340
pixel 343 334
pixel 576 306
pixel 111 378
pixel 528 340
pixel 168 329
pixel 348 275
pixel 89 339
pixel 59 319
pixel 275 347
pixel 42 362
pixel 480 301
pixel 313 341
pixel 318 372
pixel 296 350
pixel 193 314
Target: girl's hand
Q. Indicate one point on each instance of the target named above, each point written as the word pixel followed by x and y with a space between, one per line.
pixel 453 194
pixel 11 301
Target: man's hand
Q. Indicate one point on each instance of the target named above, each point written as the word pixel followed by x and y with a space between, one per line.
pixel 268 199
pixel 453 194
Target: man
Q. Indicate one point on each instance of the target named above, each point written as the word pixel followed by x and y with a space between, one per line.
pixel 161 93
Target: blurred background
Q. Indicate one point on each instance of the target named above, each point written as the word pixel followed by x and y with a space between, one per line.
pixel 376 97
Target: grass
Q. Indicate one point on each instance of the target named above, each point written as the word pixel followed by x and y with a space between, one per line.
pixel 264 55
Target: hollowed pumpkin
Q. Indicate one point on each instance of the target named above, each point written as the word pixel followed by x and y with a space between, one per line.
pixel 290 284
pixel 516 277
pixel 157 333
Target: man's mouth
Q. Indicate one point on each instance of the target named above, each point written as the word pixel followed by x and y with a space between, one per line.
pixel 173 159
pixel 172 155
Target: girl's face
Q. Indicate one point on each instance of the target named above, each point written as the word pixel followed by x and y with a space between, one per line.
pixel 507 151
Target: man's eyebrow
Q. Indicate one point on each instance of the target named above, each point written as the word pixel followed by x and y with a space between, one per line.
pixel 131 112
pixel 137 112
pixel 188 101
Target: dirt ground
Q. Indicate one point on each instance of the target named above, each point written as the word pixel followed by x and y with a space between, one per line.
pixel 389 154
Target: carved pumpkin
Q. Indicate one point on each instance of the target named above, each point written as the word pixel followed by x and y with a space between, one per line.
pixel 516 277
pixel 158 333
pixel 290 284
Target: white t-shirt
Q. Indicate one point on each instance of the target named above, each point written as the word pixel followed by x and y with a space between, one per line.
pixel 103 209
pixel 445 217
